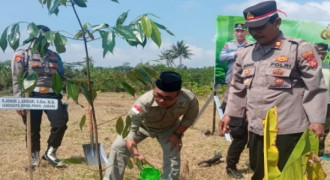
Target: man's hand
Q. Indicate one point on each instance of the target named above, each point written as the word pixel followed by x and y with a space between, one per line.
pixel 223 125
pixel 176 142
pixel 131 145
pixel 140 157
pixel 21 112
pixel 317 128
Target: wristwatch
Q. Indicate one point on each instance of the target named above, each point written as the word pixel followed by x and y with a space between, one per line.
pixel 178 135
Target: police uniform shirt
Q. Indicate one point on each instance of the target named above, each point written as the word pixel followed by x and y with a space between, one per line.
pixel 24 60
pixel 228 54
pixel 286 75
pixel 146 112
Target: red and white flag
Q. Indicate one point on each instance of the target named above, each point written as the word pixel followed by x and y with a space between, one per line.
pixel 136 109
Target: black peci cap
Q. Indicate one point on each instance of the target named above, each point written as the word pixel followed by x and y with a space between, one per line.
pixel 259 14
pixel 43 28
pixel 239 26
pixel 169 81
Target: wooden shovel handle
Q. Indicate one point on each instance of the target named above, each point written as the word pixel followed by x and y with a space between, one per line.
pixel 90 119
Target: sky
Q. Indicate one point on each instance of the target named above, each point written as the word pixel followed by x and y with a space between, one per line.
pixel 193 21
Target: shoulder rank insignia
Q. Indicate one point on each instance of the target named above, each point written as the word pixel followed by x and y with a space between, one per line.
pixel 278 44
pixel 18 57
pixel 309 56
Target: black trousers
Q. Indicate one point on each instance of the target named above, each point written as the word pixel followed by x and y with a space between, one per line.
pixel 58 120
pixel 239 133
pixel 285 145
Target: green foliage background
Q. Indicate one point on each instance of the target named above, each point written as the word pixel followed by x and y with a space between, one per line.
pixel 199 80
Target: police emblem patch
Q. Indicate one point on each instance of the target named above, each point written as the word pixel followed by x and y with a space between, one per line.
pixel 18 57
pixel 249 16
pixel 309 56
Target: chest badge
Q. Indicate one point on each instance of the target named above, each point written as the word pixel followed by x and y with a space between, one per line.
pixel 247 72
pixel 282 59
pixel 246 81
pixel 278 81
pixel 278 71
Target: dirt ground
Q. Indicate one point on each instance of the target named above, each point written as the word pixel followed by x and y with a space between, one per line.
pixel 109 106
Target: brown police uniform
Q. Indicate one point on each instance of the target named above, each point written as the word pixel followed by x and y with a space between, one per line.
pixel 25 60
pixel 287 75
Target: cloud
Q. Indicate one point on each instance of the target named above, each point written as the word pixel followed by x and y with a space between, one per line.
pixel 133 56
pixel 190 5
pixel 317 11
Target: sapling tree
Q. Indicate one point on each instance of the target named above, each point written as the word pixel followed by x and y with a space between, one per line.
pixel 135 33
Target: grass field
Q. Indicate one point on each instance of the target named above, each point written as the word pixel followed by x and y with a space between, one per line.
pixel 109 106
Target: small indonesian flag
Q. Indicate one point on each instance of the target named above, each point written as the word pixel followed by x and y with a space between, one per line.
pixel 136 109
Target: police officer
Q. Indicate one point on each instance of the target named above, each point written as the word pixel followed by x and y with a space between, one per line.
pixel 229 51
pixel 156 114
pixel 27 61
pixel 322 50
pixel 239 134
pixel 275 71
pixel 238 127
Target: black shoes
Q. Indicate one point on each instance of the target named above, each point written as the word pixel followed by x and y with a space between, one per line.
pixel 234 173
pixel 50 156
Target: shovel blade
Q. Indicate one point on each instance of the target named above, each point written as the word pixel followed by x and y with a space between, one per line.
pixel 91 154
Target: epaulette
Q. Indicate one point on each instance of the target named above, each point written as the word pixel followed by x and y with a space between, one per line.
pixel 249 44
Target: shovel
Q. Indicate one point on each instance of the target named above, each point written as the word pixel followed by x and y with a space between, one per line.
pixel 90 149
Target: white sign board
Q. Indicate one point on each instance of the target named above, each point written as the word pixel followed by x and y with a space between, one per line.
pixel 28 103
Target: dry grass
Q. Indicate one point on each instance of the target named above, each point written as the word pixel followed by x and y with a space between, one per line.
pixel 196 147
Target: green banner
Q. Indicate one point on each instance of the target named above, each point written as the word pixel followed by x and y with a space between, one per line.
pixel 311 31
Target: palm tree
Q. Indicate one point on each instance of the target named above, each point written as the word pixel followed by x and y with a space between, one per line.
pixel 181 51
pixel 168 56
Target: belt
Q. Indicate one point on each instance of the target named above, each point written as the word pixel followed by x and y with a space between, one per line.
pixel 43 90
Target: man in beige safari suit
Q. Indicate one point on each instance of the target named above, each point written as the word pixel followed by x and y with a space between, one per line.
pixel 156 114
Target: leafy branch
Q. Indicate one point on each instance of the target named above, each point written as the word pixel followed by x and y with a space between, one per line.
pixel 135 33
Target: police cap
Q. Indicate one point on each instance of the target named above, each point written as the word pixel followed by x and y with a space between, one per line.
pixel 239 26
pixel 259 14
pixel 169 81
pixel 43 28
